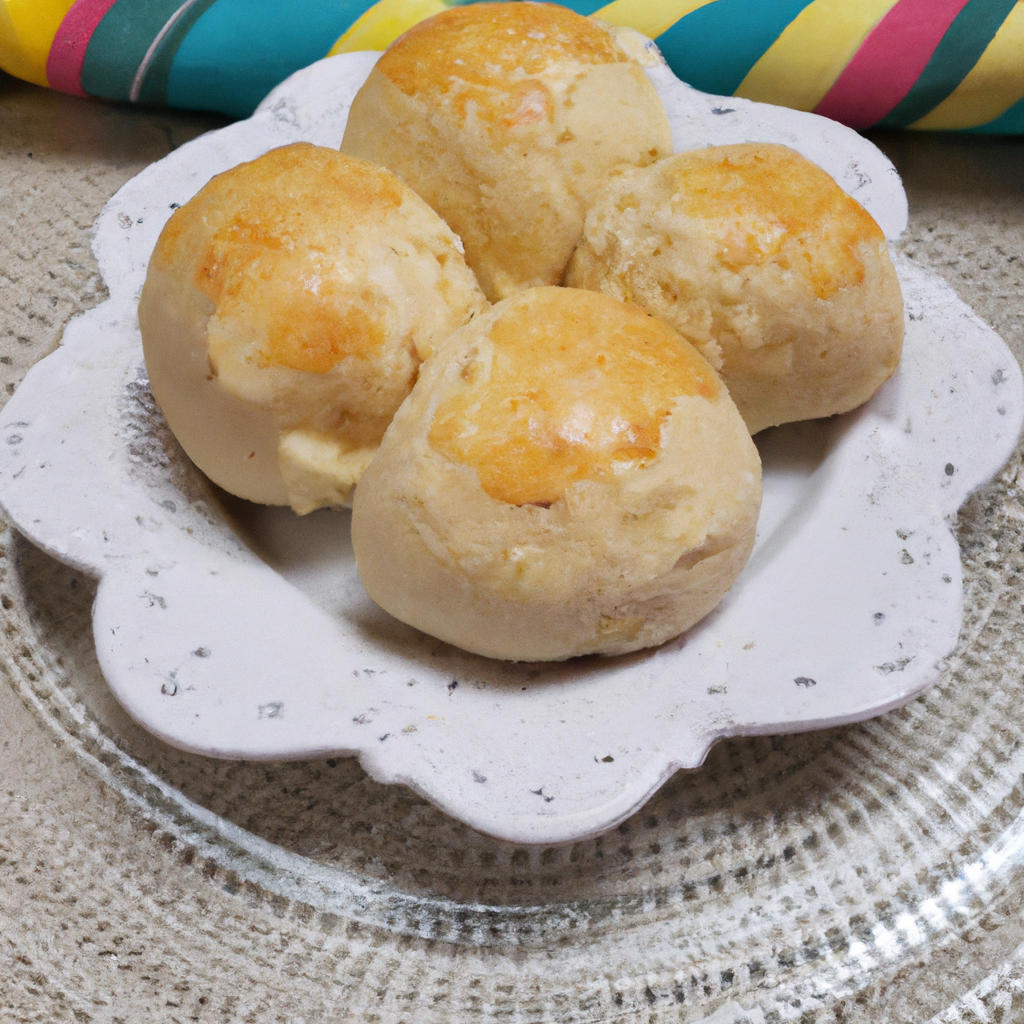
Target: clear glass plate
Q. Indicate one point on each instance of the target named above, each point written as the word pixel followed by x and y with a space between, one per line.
pixel 801 877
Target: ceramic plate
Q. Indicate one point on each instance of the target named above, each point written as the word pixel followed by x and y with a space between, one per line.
pixel 243 632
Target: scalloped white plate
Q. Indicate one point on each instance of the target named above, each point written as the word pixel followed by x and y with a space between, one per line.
pixel 239 631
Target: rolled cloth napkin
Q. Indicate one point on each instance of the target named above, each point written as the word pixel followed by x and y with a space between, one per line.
pixel 939 64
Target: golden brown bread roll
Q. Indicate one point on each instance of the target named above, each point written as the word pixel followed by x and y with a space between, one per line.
pixel 568 476
pixel 505 117
pixel 758 257
pixel 285 313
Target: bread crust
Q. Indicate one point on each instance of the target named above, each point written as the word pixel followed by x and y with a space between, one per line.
pixel 284 316
pixel 629 553
pixel 755 255
pixel 506 117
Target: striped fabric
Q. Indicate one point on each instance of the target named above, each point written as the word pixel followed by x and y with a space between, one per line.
pixel 923 64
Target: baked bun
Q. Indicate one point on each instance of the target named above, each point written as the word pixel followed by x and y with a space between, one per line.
pixel 285 313
pixel 505 117
pixel 760 259
pixel 568 476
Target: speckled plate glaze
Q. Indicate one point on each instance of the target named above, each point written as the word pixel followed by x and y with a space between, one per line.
pixel 242 632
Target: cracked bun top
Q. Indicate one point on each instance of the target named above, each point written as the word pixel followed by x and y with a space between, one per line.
pixel 286 310
pixel 506 117
pixel 782 280
pixel 568 476
pixel 575 391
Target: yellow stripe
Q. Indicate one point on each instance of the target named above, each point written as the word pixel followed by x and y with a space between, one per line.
pixel 994 84
pixel 383 23
pixel 800 67
pixel 27 28
pixel 651 17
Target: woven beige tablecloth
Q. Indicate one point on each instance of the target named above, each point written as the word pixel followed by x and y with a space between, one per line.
pixel 860 874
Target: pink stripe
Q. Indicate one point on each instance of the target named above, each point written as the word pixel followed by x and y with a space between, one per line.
pixel 889 61
pixel 67 52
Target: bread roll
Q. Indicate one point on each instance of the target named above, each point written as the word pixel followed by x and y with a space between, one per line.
pixel 505 117
pixel 760 259
pixel 285 313
pixel 568 476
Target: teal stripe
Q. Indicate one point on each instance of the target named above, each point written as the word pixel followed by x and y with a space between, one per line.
pixel 239 50
pixel 958 51
pixel 585 7
pixel 714 47
pixel 1009 122
pixel 154 83
pixel 120 42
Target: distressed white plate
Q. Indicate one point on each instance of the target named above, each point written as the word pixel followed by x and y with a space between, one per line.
pixel 243 632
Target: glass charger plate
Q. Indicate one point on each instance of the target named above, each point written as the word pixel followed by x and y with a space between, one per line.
pixel 870 872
